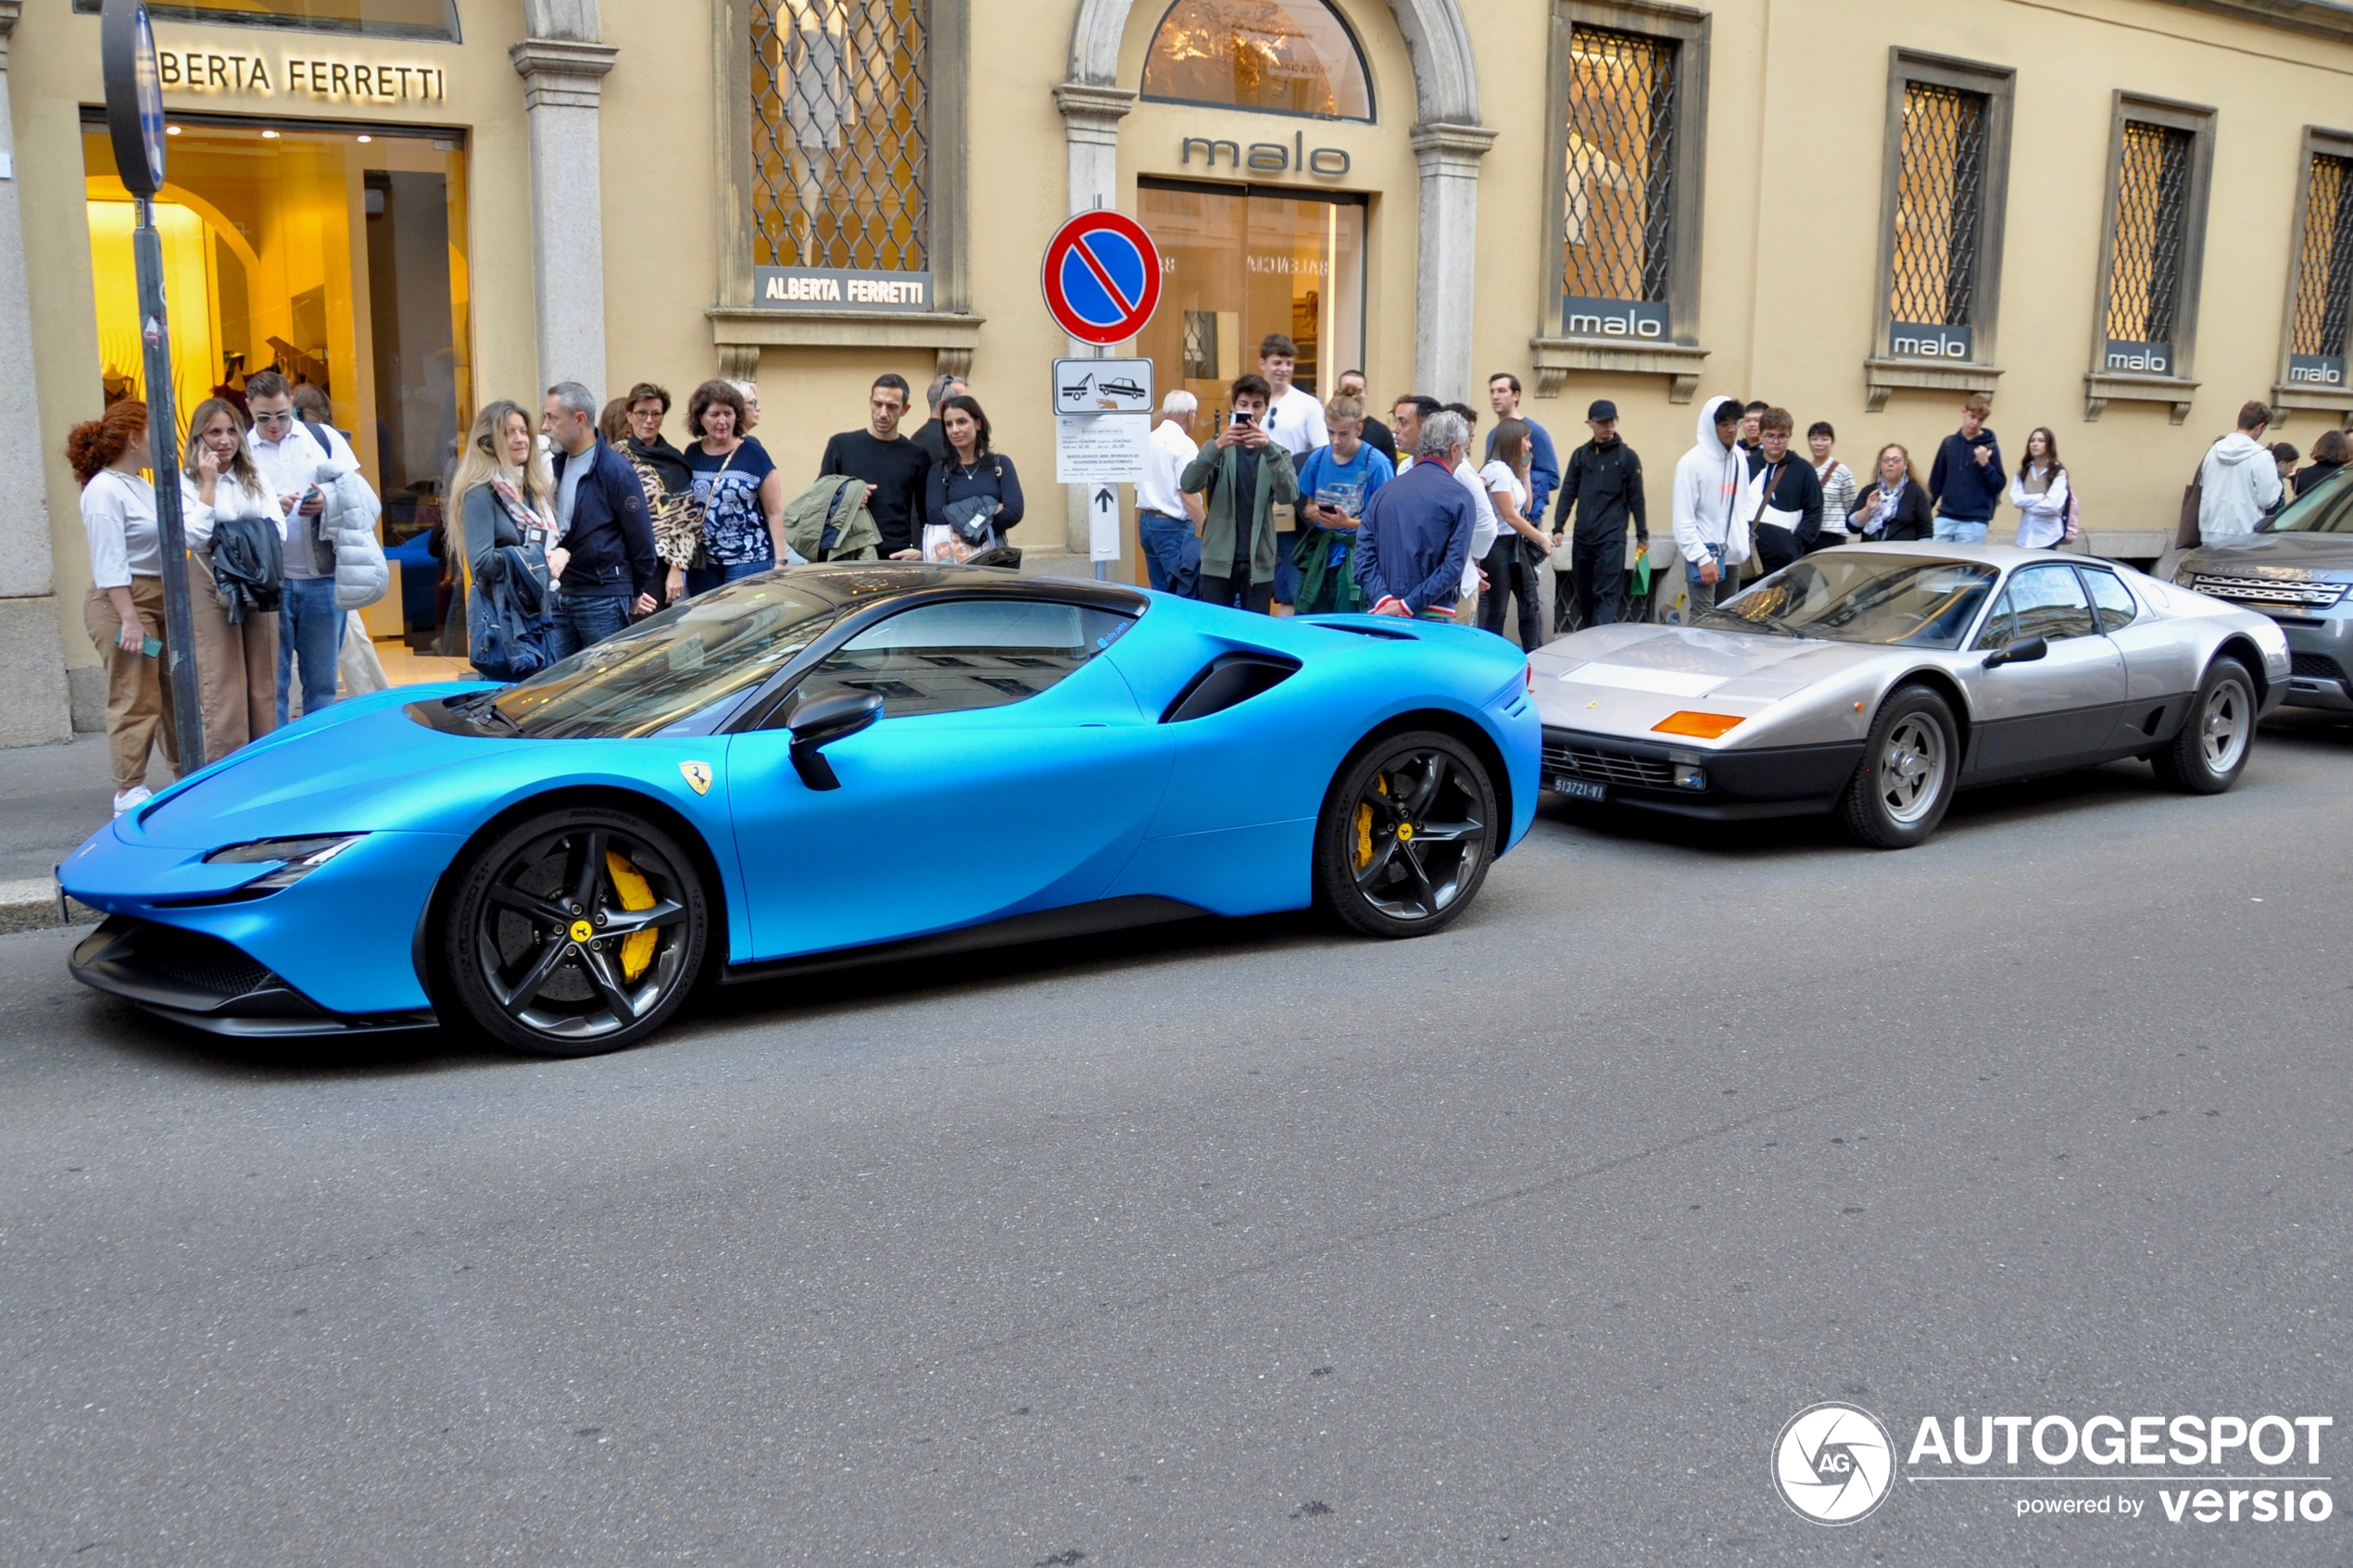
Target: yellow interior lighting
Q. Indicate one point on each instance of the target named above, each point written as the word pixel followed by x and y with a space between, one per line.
pixel 1706 726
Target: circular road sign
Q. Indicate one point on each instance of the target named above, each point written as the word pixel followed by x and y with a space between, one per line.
pixel 134 94
pixel 1102 276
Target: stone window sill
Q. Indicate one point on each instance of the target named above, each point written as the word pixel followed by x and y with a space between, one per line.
pixel 1557 357
pixel 2102 387
pixel 2336 401
pixel 1884 377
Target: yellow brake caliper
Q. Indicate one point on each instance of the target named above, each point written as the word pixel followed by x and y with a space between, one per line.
pixel 1365 828
pixel 637 947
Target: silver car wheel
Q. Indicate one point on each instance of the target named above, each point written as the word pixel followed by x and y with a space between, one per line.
pixel 1912 770
pixel 2222 728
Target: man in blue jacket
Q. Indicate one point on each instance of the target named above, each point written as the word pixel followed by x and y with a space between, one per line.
pixel 1415 537
pixel 604 565
pixel 1966 479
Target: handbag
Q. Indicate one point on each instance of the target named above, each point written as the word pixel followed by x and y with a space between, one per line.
pixel 2186 536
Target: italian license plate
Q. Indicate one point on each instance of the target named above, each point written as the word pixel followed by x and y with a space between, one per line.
pixel 1580 789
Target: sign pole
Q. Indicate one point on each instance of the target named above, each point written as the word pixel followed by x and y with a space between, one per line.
pixel 134 121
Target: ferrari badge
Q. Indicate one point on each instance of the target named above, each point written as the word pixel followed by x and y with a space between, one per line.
pixel 698 776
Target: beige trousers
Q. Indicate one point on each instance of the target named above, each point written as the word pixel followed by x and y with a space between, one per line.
pixel 138 688
pixel 237 667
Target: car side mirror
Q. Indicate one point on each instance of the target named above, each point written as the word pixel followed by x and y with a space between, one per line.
pixel 818 724
pixel 2025 651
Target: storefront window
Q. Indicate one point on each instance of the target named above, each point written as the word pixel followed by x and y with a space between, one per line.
pixel 840 130
pixel 1278 57
pixel 375 18
pixel 339 258
pixel 1240 263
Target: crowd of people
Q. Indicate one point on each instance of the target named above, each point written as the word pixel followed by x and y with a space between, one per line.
pixel 575 522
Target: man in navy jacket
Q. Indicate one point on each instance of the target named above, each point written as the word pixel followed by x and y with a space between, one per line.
pixel 1415 536
pixel 1966 479
pixel 608 565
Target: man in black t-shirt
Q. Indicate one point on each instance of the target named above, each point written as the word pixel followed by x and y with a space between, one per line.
pixel 893 465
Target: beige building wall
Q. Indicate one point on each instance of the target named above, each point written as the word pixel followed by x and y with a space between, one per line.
pixel 1795 114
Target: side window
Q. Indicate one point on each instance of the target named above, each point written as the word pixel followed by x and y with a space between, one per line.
pixel 962 653
pixel 2041 601
pixel 2111 598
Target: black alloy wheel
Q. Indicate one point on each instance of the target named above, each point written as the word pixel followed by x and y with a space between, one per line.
pixel 1406 835
pixel 578 932
pixel 1911 766
pixel 2216 740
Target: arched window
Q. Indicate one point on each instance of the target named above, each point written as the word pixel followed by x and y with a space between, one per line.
pixel 1277 57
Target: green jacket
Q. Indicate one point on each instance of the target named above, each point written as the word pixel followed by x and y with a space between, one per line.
pixel 1212 474
pixel 1326 587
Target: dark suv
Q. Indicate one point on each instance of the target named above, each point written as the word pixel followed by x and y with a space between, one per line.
pixel 2298 570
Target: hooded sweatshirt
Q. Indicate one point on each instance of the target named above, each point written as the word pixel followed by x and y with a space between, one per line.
pixel 1963 488
pixel 2238 482
pixel 1708 480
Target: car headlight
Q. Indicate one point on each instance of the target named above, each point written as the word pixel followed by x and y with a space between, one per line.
pixel 296 858
pixel 2185 577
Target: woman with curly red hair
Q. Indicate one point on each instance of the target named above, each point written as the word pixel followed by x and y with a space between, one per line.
pixel 124 612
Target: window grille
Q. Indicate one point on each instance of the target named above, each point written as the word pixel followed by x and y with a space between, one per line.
pixel 1618 219
pixel 840 128
pixel 1940 199
pixel 1201 345
pixel 2152 209
pixel 2325 261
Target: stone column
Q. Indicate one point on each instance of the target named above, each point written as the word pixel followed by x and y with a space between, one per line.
pixel 563 79
pixel 33 707
pixel 1446 276
pixel 1090 127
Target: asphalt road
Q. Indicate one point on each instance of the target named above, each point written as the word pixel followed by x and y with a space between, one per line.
pixel 1246 1244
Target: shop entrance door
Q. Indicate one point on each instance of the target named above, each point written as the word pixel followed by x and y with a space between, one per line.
pixel 1241 262
pixel 338 256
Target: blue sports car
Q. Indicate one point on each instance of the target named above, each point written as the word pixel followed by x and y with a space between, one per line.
pixel 818 766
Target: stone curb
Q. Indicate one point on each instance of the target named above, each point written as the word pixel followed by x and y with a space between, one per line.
pixel 30 904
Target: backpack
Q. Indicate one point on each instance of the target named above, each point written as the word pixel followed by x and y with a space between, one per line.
pixel 830 521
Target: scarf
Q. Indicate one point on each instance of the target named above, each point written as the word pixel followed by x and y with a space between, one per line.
pixel 1885 513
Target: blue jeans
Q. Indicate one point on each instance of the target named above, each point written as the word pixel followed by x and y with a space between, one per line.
pixel 581 620
pixel 703 579
pixel 1172 554
pixel 310 630
pixel 1959 530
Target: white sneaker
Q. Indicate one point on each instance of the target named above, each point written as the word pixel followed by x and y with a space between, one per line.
pixel 136 795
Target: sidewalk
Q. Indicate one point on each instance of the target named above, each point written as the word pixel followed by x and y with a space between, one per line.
pixel 51 799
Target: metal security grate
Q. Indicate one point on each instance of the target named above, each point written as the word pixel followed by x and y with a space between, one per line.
pixel 2152 209
pixel 1940 199
pixel 840 122
pixel 2325 261
pixel 1201 345
pixel 1618 226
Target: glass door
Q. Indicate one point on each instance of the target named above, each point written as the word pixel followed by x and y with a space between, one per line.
pixel 1241 262
pixel 336 255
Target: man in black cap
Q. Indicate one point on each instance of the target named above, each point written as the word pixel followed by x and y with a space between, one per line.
pixel 1601 491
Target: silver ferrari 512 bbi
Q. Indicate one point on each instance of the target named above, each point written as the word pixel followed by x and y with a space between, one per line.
pixel 1876 680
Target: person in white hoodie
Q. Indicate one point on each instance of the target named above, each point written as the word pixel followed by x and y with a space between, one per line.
pixel 2239 482
pixel 1708 481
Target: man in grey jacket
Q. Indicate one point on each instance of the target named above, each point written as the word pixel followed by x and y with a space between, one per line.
pixel 2238 482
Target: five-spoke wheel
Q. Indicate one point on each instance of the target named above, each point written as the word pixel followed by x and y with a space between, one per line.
pixel 576 932
pixel 2211 750
pixel 1910 765
pixel 1407 834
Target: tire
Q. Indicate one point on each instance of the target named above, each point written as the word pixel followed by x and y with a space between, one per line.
pixel 1406 835
pixel 1910 766
pixel 539 942
pixel 2216 740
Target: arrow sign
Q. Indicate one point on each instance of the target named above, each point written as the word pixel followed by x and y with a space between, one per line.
pixel 1105 499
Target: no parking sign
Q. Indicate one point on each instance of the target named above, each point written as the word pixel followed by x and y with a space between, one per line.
pixel 1102 277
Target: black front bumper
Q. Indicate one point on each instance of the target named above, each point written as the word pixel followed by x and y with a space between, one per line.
pixel 205 983
pixel 1783 781
pixel 2321 663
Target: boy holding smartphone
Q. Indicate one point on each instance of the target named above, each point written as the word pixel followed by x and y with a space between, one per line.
pixel 1242 476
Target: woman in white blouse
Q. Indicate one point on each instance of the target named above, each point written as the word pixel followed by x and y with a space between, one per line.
pixel 2040 492
pixel 124 612
pixel 236 659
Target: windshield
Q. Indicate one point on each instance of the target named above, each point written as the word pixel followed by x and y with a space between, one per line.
pixel 2327 508
pixel 1853 598
pixel 668 666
